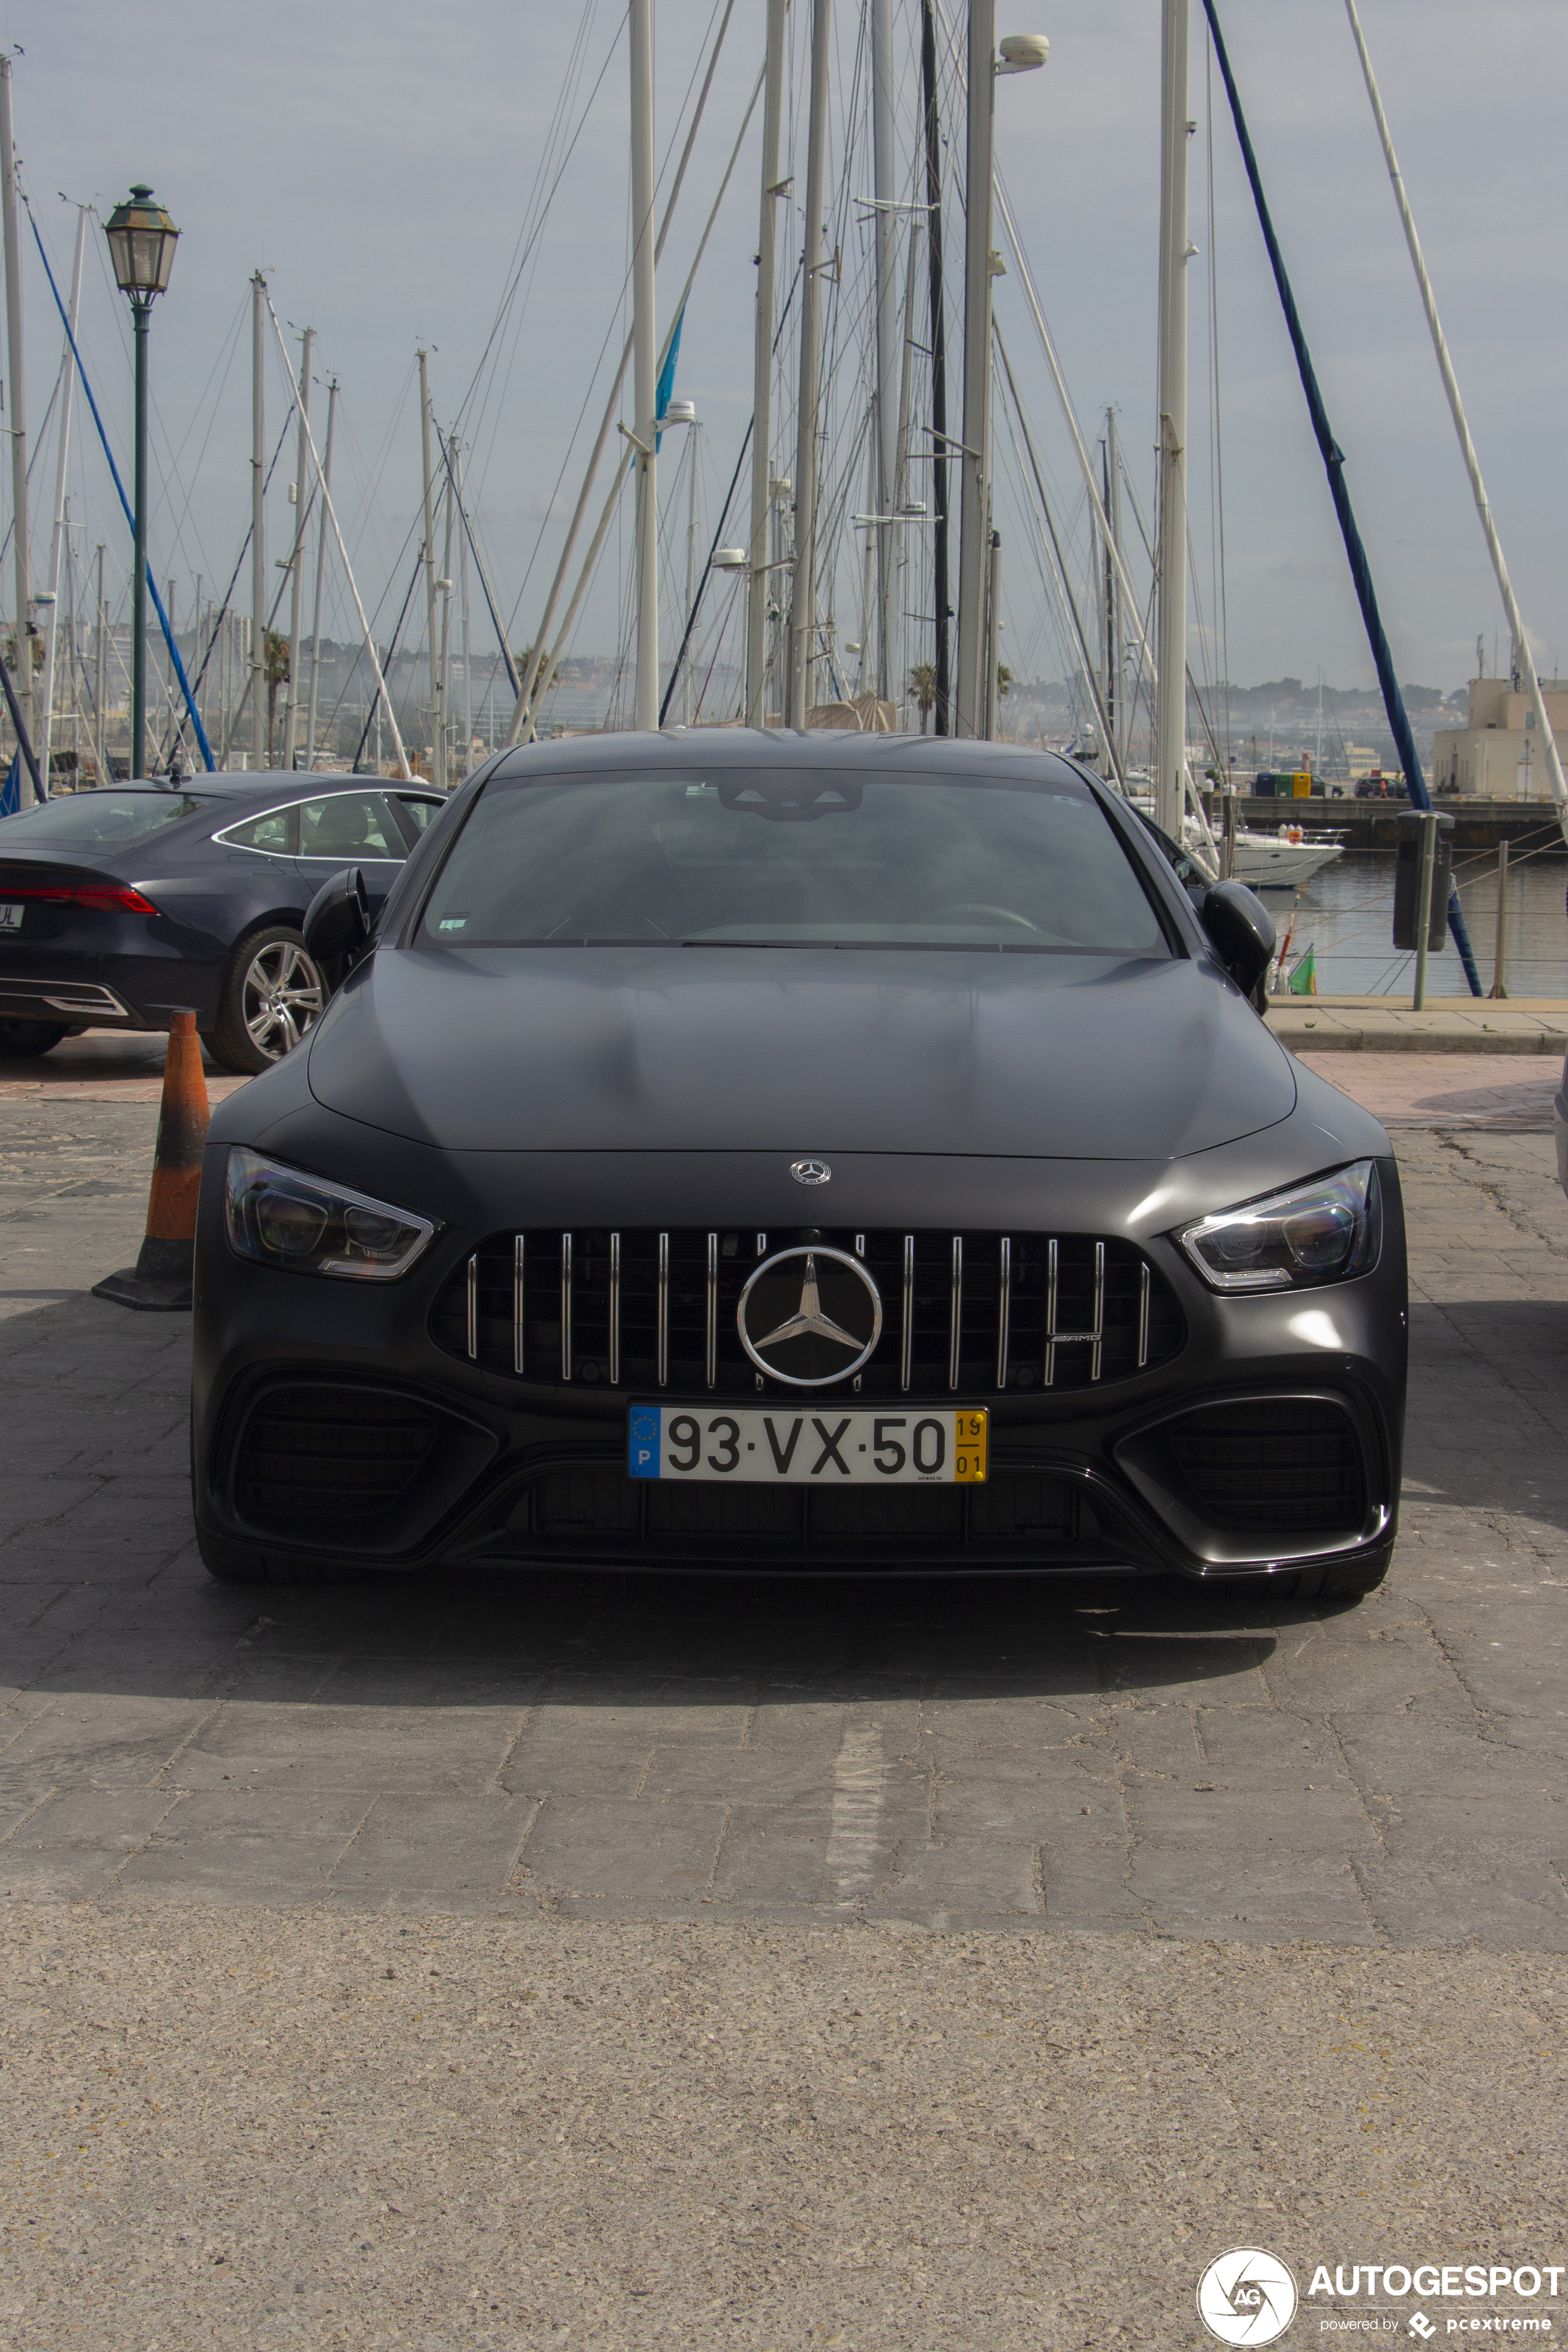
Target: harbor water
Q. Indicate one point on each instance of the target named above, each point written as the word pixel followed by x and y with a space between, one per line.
pixel 1345 914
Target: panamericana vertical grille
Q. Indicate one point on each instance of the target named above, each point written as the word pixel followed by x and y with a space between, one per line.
pixel 965 1313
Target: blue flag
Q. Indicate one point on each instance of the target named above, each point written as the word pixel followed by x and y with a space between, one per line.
pixel 666 384
pixel 11 791
pixel 666 374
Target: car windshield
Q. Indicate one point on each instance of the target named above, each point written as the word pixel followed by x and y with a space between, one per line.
pixel 780 858
pixel 101 820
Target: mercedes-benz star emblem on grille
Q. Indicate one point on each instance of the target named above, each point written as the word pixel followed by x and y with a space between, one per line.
pixel 810 1316
pixel 810 1172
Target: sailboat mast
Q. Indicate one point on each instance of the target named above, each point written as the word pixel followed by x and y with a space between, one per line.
pixel 429 559
pixel 1116 714
pixel 974 459
pixel 100 683
pixel 443 742
pixel 321 569
pixel 467 760
pixel 762 375
pixel 17 420
pixel 885 430
pixel 645 363
pixel 937 365
pixel 68 371
pixel 297 556
pixel 1171 704
pixel 1112 655
pixel 897 683
pixel 802 603
pixel 258 527
pixel 688 686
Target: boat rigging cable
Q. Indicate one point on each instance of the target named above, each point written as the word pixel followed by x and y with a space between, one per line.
pixel 1091 679
pixel 522 713
pixel 1334 464
pixel 370 715
pixel 179 665
pixel 525 716
pixel 1523 654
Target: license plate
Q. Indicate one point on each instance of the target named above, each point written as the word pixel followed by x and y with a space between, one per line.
pixel 757 1445
pixel 10 919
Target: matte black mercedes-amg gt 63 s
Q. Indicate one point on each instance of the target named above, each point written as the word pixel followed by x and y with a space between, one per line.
pixel 777 1153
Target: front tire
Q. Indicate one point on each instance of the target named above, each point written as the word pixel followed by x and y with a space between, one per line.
pixel 273 993
pixel 29 1039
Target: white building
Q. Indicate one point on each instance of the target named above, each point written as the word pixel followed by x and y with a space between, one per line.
pixel 1497 757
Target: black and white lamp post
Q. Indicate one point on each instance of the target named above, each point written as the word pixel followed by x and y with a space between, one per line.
pixel 141 240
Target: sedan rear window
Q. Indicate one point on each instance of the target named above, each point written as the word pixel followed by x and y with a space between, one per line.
pixel 101 820
pixel 779 858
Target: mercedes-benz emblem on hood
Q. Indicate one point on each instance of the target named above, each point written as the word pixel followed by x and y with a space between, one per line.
pixel 810 1172
pixel 809 1316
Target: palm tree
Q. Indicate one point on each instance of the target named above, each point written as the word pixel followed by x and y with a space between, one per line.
pixel 276 676
pixel 923 686
pixel 549 675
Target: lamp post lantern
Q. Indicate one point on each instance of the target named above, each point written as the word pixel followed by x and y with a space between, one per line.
pixel 141 240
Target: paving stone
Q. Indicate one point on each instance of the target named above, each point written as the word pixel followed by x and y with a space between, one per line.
pixel 79 1840
pixel 438 1847
pixel 617 1846
pixel 280 1845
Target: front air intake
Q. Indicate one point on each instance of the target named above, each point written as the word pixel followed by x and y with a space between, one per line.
pixel 350 1468
pixel 1289 1464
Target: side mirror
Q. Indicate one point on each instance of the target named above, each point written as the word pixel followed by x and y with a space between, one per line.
pixel 1241 932
pixel 337 925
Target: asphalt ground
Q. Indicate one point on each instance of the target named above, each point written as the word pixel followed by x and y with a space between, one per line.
pixel 931 1965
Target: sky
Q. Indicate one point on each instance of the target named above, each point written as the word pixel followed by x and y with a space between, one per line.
pixel 384 164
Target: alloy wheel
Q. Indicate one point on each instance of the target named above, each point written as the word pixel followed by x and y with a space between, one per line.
pixel 281 996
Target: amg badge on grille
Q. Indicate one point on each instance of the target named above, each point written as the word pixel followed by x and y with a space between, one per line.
pixel 809 1316
pixel 810 1172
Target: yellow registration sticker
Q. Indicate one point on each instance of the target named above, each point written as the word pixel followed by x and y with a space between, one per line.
pixel 969 1449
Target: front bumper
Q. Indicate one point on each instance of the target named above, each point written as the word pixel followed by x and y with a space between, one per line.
pixel 301 1382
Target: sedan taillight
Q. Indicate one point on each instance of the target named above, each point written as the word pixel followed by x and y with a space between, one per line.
pixel 108 898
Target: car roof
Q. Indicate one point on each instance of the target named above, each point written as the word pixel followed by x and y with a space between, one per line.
pixel 268 784
pixel 677 749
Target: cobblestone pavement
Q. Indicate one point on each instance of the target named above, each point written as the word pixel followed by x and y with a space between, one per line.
pixel 101 1066
pixel 959 1968
pixel 1103 1756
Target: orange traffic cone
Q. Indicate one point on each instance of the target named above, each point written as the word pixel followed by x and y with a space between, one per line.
pixel 161 1278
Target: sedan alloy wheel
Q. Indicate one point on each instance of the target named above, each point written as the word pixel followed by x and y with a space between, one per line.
pixel 274 995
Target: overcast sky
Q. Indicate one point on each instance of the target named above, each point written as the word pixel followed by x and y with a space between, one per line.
pixel 382 163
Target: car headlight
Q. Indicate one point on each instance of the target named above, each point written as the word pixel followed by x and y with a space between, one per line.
pixel 281 1217
pixel 1322 1231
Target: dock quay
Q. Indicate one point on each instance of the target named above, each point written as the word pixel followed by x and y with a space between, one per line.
pixel 1525 825
pixel 1449 1024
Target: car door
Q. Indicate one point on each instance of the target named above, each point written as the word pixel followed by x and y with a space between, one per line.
pixel 349 828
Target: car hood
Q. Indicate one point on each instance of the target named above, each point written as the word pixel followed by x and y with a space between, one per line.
pixel 621 1049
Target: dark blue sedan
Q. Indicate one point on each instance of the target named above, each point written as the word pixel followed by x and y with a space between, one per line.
pixel 120 907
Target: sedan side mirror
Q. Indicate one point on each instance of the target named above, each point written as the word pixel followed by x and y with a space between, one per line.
pixel 337 925
pixel 1241 932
